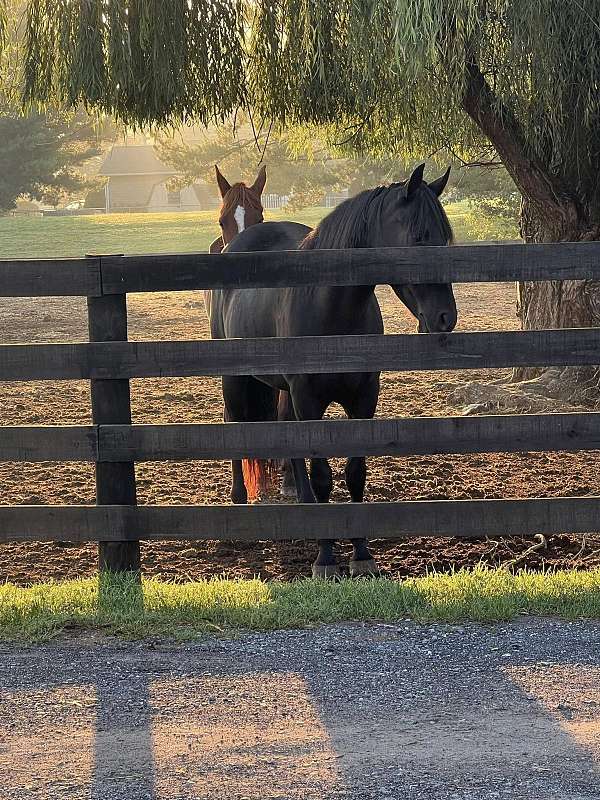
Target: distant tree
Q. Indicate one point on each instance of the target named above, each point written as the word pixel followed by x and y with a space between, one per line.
pixel 40 155
pixel 96 197
pixel 302 177
pixel 492 192
pixel 302 168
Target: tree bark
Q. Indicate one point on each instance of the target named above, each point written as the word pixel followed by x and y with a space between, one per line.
pixel 560 304
pixel 550 212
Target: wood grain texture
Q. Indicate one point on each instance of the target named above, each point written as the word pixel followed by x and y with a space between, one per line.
pixel 111 403
pixel 185 271
pixel 47 278
pixel 461 518
pixel 304 355
pixel 336 438
pixel 362 267
pixel 323 439
pixel 49 443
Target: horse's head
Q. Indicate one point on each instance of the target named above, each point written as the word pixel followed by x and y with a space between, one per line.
pixel 242 205
pixel 411 214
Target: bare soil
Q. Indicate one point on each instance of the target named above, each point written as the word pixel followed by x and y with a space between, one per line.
pixel 181 316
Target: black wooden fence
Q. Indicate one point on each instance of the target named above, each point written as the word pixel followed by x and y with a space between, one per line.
pixel 108 360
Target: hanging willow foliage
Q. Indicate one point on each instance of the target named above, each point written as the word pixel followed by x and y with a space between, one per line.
pixel 379 69
pixel 144 61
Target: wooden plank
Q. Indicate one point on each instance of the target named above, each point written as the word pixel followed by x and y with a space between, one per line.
pixel 462 518
pixel 46 278
pixel 46 443
pixel 115 482
pixel 185 271
pixel 362 267
pixel 331 438
pixel 308 354
pixel 324 439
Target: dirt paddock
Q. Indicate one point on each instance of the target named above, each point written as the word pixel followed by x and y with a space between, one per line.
pixel 181 316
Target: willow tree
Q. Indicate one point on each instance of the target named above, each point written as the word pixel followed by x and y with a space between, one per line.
pixel 519 76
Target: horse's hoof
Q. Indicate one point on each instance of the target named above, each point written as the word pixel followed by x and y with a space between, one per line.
pixel 326 571
pixel 364 569
pixel 289 491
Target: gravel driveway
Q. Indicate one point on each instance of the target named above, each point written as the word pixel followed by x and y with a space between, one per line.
pixel 345 711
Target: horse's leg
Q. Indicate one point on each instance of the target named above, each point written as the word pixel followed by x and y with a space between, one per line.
pixel 285 412
pixel 362 562
pixel 238 487
pixel 307 407
pixel 303 487
pixel 321 479
pixel 245 400
pixel 233 388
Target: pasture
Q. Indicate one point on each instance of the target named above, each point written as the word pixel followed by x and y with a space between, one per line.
pixel 61 237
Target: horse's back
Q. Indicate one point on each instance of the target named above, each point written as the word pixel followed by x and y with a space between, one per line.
pixel 249 312
pixel 269 236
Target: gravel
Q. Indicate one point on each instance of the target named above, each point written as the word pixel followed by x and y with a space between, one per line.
pixel 343 711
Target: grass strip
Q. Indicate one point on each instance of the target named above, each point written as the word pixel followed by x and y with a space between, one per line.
pixel 186 610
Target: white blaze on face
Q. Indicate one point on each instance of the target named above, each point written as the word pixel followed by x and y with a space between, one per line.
pixel 240 214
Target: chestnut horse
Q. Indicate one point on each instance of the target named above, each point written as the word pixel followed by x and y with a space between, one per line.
pixel 242 208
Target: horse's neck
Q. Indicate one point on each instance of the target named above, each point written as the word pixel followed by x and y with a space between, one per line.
pixel 350 308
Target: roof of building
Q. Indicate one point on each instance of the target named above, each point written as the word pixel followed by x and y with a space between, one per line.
pixel 135 160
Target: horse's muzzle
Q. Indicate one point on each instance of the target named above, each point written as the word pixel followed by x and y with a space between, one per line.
pixel 443 323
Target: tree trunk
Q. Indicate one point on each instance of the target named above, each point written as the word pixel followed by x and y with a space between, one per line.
pixel 560 304
pixel 551 211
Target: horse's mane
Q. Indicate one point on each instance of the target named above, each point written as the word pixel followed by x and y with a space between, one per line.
pixel 240 195
pixel 351 223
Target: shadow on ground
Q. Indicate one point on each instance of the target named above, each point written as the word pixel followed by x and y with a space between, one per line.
pixel 347 711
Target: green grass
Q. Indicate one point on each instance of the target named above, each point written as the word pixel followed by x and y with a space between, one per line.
pixel 469 225
pixel 61 237
pixel 186 610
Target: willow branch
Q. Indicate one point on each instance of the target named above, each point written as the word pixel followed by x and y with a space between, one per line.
pixel 500 126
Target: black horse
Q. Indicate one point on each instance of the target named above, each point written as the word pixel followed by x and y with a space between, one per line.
pixel 402 214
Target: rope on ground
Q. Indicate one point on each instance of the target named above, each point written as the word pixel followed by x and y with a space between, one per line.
pixel 581 550
pixel 541 544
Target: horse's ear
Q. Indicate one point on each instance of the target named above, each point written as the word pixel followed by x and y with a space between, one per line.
pixel 261 179
pixel 438 186
pixel 415 181
pixel 222 182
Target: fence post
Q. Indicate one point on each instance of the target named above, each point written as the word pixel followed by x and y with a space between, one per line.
pixel 115 481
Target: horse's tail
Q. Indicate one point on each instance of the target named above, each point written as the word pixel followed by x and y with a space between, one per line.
pixel 260 475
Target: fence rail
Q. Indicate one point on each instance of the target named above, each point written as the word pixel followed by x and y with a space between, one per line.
pixel 300 355
pixel 460 518
pixel 103 275
pixel 109 360
pixel 316 439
